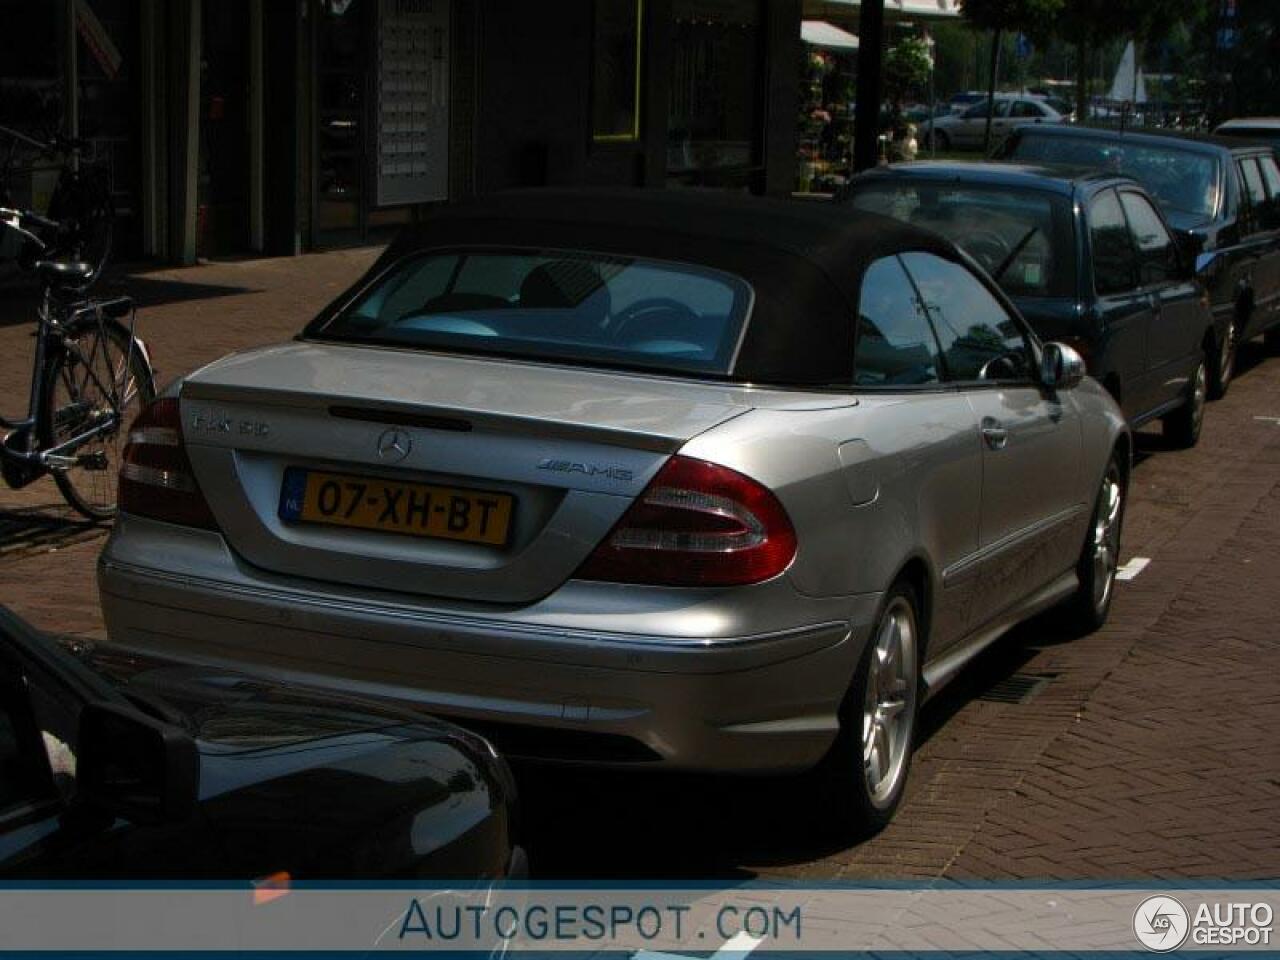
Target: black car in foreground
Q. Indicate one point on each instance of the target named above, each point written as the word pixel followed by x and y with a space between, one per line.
pixel 1223 191
pixel 178 773
pixel 1088 260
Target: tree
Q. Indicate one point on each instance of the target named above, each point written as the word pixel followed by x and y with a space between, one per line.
pixel 1088 24
pixel 906 70
pixel 1032 17
pixel 1252 63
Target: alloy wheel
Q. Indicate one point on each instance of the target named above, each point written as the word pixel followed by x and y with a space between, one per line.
pixel 889 705
pixel 1106 539
pixel 1227 355
pixel 1199 391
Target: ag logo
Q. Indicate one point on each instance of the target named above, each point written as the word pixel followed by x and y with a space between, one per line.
pixel 1161 923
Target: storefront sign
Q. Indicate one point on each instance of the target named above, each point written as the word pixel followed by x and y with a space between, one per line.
pixel 96 38
pixel 412 155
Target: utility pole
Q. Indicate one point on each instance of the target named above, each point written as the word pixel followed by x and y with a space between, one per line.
pixel 866 121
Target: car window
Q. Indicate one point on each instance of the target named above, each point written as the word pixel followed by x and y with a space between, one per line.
pixel 1157 254
pixel 1182 180
pixel 979 110
pixel 980 339
pixel 601 309
pixel 1025 108
pixel 895 346
pixel 1115 268
pixel 1262 194
pixel 1030 229
pixel 1251 178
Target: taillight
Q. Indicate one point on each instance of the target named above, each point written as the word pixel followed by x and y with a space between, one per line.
pixel 696 524
pixel 156 479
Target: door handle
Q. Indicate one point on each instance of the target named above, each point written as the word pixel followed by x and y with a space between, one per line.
pixel 995 436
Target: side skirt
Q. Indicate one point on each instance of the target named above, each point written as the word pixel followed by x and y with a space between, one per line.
pixel 939 672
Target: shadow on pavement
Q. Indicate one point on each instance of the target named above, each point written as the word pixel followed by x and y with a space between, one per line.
pixel 39 529
pixel 653 825
pixel 19 299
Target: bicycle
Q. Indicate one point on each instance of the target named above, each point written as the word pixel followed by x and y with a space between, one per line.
pixel 90 376
pixel 79 224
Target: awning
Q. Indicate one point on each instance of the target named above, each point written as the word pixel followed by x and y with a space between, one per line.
pixel 819 33
pixel 945 9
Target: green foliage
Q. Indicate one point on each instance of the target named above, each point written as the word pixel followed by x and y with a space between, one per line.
pixel 1036 18
pixel 906 68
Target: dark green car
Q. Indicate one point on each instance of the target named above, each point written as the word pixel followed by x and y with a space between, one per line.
pixel 1089 260
pixel 1222 192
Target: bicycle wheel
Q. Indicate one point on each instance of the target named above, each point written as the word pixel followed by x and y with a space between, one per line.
pixel 84 383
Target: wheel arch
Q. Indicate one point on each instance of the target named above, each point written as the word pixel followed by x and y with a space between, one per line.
pixel 916 572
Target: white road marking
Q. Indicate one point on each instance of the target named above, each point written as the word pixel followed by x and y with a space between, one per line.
pixel 1275 420
pixel 737 948
pixel 1131 569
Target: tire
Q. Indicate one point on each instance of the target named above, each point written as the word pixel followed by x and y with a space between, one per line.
pixel 865 772
pixel 1100 555
pixel 70 396
pixel 1182 427
pixel 1222 361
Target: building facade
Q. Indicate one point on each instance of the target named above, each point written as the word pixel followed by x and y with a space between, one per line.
pixel 275 126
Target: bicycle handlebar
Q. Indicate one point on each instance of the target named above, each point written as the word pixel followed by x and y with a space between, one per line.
pixel 14 219
pixel 57 144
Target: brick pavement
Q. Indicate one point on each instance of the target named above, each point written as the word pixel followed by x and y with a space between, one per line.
pixel 1153 750
pixel 188 318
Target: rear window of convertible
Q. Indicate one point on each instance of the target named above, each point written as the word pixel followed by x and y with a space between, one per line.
pixel 591 308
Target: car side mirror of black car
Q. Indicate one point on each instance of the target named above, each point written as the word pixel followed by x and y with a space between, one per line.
pixel 135 766
pixel 1190 247
pixel 1061 368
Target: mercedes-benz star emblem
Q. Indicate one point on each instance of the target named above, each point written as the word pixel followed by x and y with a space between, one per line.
pixel 394 445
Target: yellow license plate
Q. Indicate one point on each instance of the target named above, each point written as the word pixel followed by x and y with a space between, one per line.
pixel 393 506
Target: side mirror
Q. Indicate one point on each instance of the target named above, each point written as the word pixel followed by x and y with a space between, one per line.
pixel 1190 249
pixel 1061 368
pixel 134 766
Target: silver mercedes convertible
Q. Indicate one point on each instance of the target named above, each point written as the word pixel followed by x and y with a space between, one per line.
pixel 710 483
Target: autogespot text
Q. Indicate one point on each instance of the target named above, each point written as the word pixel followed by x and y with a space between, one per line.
pixel 590 921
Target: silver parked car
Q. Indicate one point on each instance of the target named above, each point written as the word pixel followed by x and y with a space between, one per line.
pixel 968 128
pixel 710 483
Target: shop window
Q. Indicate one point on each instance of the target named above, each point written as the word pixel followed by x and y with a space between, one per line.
pixel 715 115
pixel 615 108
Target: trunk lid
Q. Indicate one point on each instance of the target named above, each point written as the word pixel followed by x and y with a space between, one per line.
pixel 571 448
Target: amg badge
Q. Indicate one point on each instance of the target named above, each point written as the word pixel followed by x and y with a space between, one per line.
pixel 604 470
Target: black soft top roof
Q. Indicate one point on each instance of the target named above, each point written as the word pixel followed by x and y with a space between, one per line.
pixel 803 259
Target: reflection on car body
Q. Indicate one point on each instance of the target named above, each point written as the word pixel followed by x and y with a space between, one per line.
pixel 115 767
pixel 777 473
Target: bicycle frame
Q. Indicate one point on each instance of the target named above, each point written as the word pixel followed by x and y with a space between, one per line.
pixel 51 336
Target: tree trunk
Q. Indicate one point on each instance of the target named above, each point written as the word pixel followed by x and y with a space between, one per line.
pixel 991 91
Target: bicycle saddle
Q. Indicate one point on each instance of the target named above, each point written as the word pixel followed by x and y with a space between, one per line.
pixel 63 273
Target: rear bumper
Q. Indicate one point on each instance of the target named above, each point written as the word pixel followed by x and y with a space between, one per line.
pixel 757 702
